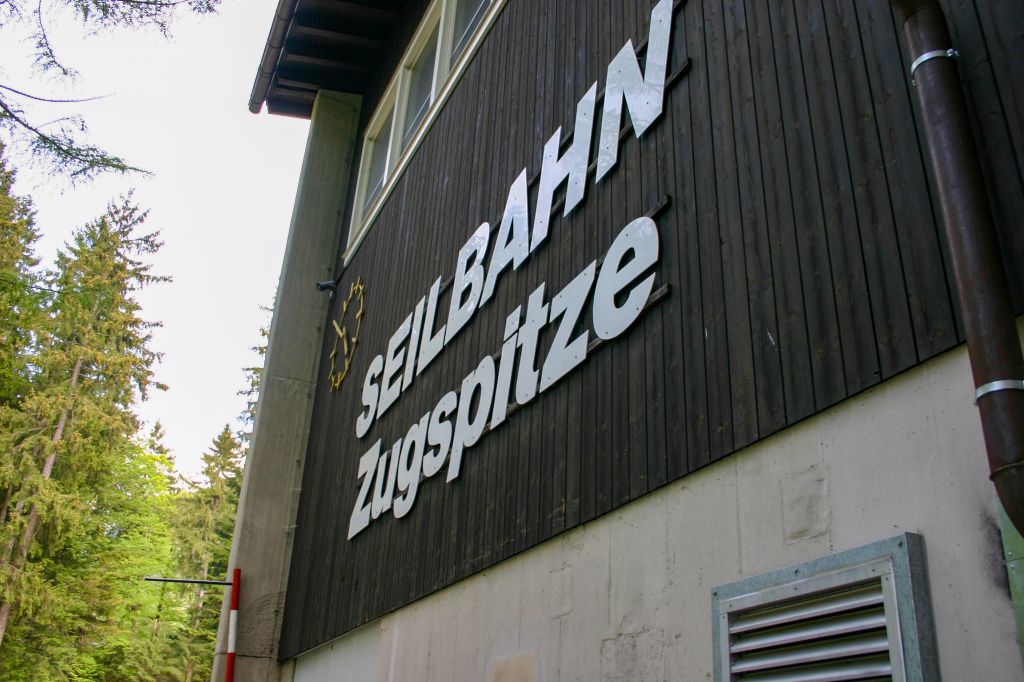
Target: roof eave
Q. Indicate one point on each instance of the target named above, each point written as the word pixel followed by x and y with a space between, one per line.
pixel 271 54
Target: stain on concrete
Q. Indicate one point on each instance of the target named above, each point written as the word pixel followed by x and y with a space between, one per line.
pixel 805 509
pixel 630 656
pixel 520 668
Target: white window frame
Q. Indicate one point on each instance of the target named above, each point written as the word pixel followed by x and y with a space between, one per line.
pixel 440 13
pixel 370 141
pixel 412 55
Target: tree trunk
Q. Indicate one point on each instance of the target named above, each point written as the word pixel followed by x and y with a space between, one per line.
pixel 33 517
pixel 159 614
pixel 197 609
pixel 9 547
pixel 5 615
pixel 6 504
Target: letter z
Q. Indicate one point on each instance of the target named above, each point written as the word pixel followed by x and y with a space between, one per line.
pixel 564 354
pixel 361 513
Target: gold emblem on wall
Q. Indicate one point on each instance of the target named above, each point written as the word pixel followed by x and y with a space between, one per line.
pixel 346 333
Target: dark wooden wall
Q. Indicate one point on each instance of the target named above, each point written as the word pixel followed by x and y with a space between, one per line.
pixel 800 246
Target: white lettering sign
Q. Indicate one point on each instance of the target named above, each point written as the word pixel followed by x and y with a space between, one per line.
pixel 618 291
pixel 484 395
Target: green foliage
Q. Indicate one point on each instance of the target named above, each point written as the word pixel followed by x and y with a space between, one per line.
pixel 254 381
pixel 20 299
pixel 91 616
pixel 88 506
pixel 205 521
pixel 89 362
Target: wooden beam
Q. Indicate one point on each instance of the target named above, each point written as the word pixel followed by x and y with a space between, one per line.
pixel 350 9
pixel 374 10
pixel 325 62
pixel 285 85
pixel 299 31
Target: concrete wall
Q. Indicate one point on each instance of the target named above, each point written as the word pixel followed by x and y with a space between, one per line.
pixel 627 597
pixel 273 471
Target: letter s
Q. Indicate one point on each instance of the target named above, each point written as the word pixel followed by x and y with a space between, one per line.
pixel 370 394
pixel 439 433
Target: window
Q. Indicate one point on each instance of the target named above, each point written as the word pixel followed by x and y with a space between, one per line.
pixel 859 615
pixel 421 87
pixel 379 147
pixel 468 15
pixel 440 49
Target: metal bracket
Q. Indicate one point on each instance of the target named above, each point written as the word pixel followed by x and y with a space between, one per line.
pixel 951 53
pixel 1001 385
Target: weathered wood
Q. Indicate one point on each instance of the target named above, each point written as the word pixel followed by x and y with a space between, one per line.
pixel 800 263
pixel 790 337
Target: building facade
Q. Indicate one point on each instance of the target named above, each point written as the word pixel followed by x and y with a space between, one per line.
pixel 621 341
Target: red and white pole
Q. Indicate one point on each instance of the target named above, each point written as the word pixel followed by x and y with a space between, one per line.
pixel 236 583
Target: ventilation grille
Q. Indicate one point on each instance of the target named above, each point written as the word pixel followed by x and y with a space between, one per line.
pixel 827 628
pixel 842 634
pixel 861 614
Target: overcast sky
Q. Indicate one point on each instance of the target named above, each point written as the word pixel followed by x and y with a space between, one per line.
pixel 221 194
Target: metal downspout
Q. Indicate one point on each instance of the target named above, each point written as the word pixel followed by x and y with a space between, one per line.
pixel 992 342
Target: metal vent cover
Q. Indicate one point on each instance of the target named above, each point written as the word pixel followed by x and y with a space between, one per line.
pixel 817 623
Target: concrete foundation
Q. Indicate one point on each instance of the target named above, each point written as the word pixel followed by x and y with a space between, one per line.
pixel 273 472
pixel 628 596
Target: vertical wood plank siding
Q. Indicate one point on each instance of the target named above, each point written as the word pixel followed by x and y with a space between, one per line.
pixel 800 247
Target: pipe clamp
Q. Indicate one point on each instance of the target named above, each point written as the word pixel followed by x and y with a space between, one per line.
pixel 951 53
pixel 1001 385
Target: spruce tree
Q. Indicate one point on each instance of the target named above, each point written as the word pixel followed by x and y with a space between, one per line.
pixel 22 300
pixel 90 361
pixel 254 381
pixel 206 516
pixel 89 507
pixel 105 623
pixel 21 310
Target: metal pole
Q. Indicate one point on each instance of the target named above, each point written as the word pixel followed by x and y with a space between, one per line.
pixel 187 581
pixel 236 584
pixel 992 342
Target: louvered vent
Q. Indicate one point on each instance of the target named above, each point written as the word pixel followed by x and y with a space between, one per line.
pixel 838 626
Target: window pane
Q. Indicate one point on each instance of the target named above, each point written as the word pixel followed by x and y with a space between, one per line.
pixel 378 163
pixel 468 14
pixel 421 76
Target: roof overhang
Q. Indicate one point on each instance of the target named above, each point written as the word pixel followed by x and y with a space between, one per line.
pixel 323 44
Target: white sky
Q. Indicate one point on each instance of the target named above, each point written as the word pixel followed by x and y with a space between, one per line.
pixel 221 195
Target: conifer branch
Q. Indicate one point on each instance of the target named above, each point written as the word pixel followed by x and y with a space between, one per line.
pixel 37 98
pixel 62 149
